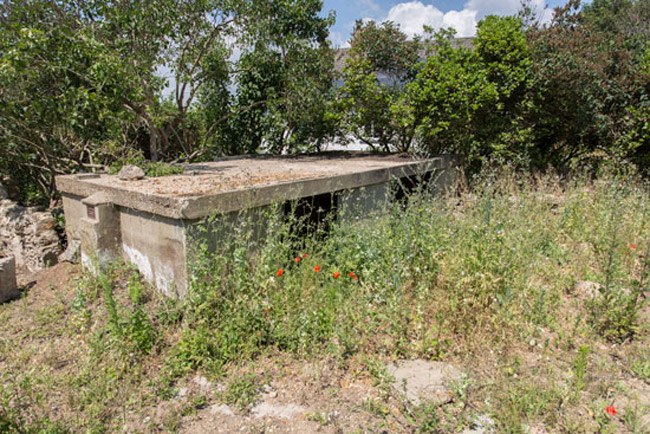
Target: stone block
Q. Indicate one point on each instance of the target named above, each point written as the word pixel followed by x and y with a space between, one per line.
pixel 100 232
pixel 8 286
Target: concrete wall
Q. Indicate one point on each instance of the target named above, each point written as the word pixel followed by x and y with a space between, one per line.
pixel 74 211
pixel 157 247
pixel 362 202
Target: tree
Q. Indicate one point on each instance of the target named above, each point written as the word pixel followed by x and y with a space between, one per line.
pixel 589 86
pixel 83 81
pixel 61 94
pixel 283 87
pixel 473 101
pixel 448 94
pixel 372 100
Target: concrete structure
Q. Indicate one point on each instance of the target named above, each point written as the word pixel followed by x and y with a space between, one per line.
pixel 8 286
pixel 151 222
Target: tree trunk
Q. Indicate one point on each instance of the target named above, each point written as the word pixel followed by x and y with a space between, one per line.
pixel 153 139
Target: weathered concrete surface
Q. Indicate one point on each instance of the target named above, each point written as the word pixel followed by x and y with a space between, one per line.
pixel 74 212
pixel 100 233
pixel 234 184
pixel 421 379
pixel 356 203
pixel 8 286
pixel 157 246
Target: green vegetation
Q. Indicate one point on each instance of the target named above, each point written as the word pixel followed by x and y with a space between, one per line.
pixel 150 168
pixel 78 93
pixel 487 277
pixel 529 277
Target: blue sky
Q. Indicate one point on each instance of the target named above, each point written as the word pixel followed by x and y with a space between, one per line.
pixel 411 15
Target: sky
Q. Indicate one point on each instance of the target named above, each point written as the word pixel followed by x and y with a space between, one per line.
pixel 412 15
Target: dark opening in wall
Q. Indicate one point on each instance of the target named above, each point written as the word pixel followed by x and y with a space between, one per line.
pixel 402 188
pixel 312 214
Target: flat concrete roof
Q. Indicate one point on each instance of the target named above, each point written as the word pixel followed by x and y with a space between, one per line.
pixel 237 183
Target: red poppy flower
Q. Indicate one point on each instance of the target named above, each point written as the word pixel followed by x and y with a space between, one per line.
pixel 610 411
pixel 633 246
pixel 336 275
pixel 280 271
pixel 355 277
pixel 351 274
pixel 305 255
pixel 317 268
pixel 297 259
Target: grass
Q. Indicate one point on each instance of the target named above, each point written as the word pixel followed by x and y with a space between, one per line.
pixel 484 277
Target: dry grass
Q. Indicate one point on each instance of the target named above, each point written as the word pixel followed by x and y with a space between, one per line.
pixel 487 279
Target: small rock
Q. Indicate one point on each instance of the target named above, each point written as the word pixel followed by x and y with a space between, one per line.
pixel 130 173
pixel 44 224
pixel 71 253
pixel 265 409
pixel 482 424
pixel 586 289
pixel 221 409
pixel 204 384
pixel 424 380
pixel 182 392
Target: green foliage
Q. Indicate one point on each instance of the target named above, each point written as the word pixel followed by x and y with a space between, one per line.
pixel 640 365
pixel 424 274
pixel 558 95
pixel 587 66
pixel 283 87
pixel 473 101
pixel 386 48
pixel 243 392
pixel 580 370
pixel 480 277
pixel 150 168
pixel 374 109
pixel 449 94
pixel 131 330
pixel 614 312
pixel 79 92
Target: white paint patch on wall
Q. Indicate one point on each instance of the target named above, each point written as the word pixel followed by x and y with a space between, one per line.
pixel 88 263
pixel 140 261
pixel 154 271
pixel 165 278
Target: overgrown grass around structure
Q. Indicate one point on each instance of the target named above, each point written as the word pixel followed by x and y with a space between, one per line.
pixel 535 288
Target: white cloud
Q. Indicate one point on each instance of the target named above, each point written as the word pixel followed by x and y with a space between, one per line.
pixel 339 40
pixel 463 21
pixel 413 15
pixel 496 7
pixel 508 7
